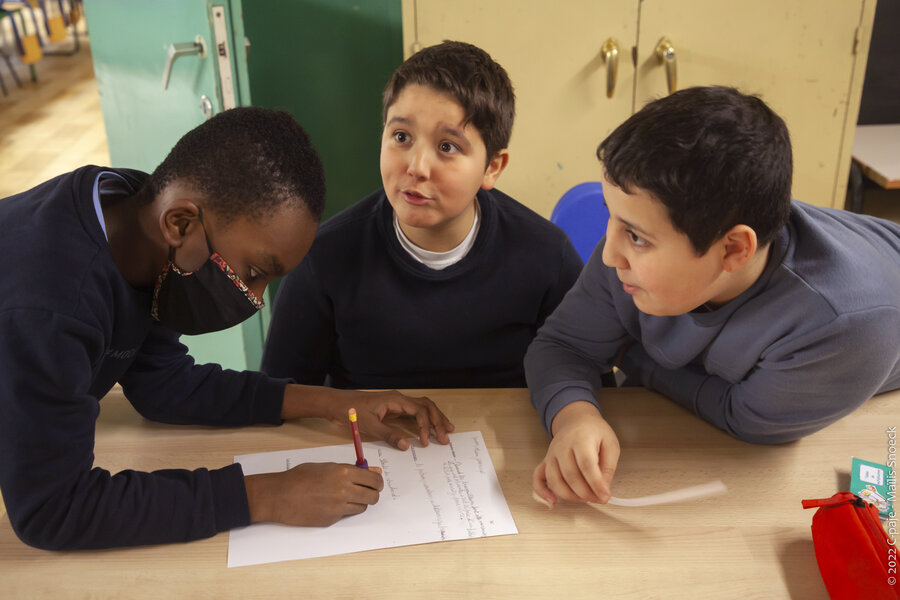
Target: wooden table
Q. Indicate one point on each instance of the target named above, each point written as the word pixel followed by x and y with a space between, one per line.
pixel 876 157
pixel 877 149
pixel 754 542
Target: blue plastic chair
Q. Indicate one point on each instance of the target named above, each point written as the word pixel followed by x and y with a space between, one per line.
pixel 582 214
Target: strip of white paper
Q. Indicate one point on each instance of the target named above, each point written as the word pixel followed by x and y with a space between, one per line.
pixel 431 494
pixel 705 490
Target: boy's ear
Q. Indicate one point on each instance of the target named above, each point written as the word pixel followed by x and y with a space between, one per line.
pixel 494 168
pixel 177 219
pixel 739 246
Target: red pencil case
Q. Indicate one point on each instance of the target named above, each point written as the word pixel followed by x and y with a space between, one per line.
pixel 856 557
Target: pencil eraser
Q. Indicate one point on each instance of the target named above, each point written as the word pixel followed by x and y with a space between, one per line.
pixel 363 465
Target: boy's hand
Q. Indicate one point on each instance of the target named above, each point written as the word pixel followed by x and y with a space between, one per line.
pixel 582 457
pixel 373 408
pixel 312 494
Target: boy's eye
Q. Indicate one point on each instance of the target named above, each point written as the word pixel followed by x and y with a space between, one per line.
pixel 448 147
pixel 636 239
pixel 253 275
pixel 401 137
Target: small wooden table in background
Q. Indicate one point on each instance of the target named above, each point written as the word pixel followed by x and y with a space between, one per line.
pixel 876 156
pixel 753 542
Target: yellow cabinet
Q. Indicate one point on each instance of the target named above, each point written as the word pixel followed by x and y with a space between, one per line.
pixel 805 59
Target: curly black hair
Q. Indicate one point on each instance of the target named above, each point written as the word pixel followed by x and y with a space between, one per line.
pixel 247 162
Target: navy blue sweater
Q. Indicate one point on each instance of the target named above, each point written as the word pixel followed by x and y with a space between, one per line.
pixel 362 312
pixel 70 328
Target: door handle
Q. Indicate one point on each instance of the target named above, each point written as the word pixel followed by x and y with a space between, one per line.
pixel 176 51
pixel 665 53
pixel 610 52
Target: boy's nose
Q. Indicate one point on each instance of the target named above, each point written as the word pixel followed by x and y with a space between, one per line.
pixel 418 164
pixel 611 256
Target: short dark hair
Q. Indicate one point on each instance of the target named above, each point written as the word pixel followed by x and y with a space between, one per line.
pixel 247 162
pixel 469 75
pixel 715 157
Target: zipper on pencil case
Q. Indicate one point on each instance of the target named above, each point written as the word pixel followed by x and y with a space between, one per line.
pixel 836 500
pixel 872 523
pixel 875 528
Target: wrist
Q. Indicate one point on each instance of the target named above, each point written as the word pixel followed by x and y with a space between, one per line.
pixel 257 497
pixel 575 412
pixel 305 401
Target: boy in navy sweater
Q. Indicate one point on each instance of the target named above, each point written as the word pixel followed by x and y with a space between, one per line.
pixel 105 267
pixel 438 279
pixel 767 317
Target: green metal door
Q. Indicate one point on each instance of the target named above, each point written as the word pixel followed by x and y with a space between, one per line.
pixel 162 68
pixel 327 62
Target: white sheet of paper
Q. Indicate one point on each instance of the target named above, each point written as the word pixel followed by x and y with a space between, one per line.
pixel 431 494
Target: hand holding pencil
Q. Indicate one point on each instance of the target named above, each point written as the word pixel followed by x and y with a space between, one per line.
pixel 312 494
pixel 322 493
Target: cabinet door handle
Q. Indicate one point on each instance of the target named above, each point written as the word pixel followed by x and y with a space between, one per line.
pixel 198 46
pixel 665 52
pixel 610 52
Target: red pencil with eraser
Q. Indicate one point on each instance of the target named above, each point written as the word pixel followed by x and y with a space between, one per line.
pixel 357 442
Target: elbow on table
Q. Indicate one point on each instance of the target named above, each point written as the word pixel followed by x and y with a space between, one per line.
pixel 38 537
pixel 39 532
pixel 777 427
pixel 770 436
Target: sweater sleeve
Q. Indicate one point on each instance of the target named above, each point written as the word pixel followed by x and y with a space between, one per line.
pixel 576 344
pixel 165 385
pixel 800 385
pixel 56 499
pixel 301 342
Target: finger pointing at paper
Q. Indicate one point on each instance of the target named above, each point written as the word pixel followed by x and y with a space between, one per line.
pixel 373 408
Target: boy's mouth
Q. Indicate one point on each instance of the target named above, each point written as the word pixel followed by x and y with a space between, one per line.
pixel 629 289
pixel 414 197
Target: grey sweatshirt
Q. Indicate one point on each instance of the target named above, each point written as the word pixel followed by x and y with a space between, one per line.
pixel 811 340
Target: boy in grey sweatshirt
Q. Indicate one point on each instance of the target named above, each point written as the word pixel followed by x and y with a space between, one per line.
pixel 767 317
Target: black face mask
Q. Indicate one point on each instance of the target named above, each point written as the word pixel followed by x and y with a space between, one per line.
pixel 209 299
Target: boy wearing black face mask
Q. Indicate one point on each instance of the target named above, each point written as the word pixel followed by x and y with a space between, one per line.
pixel 105 267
